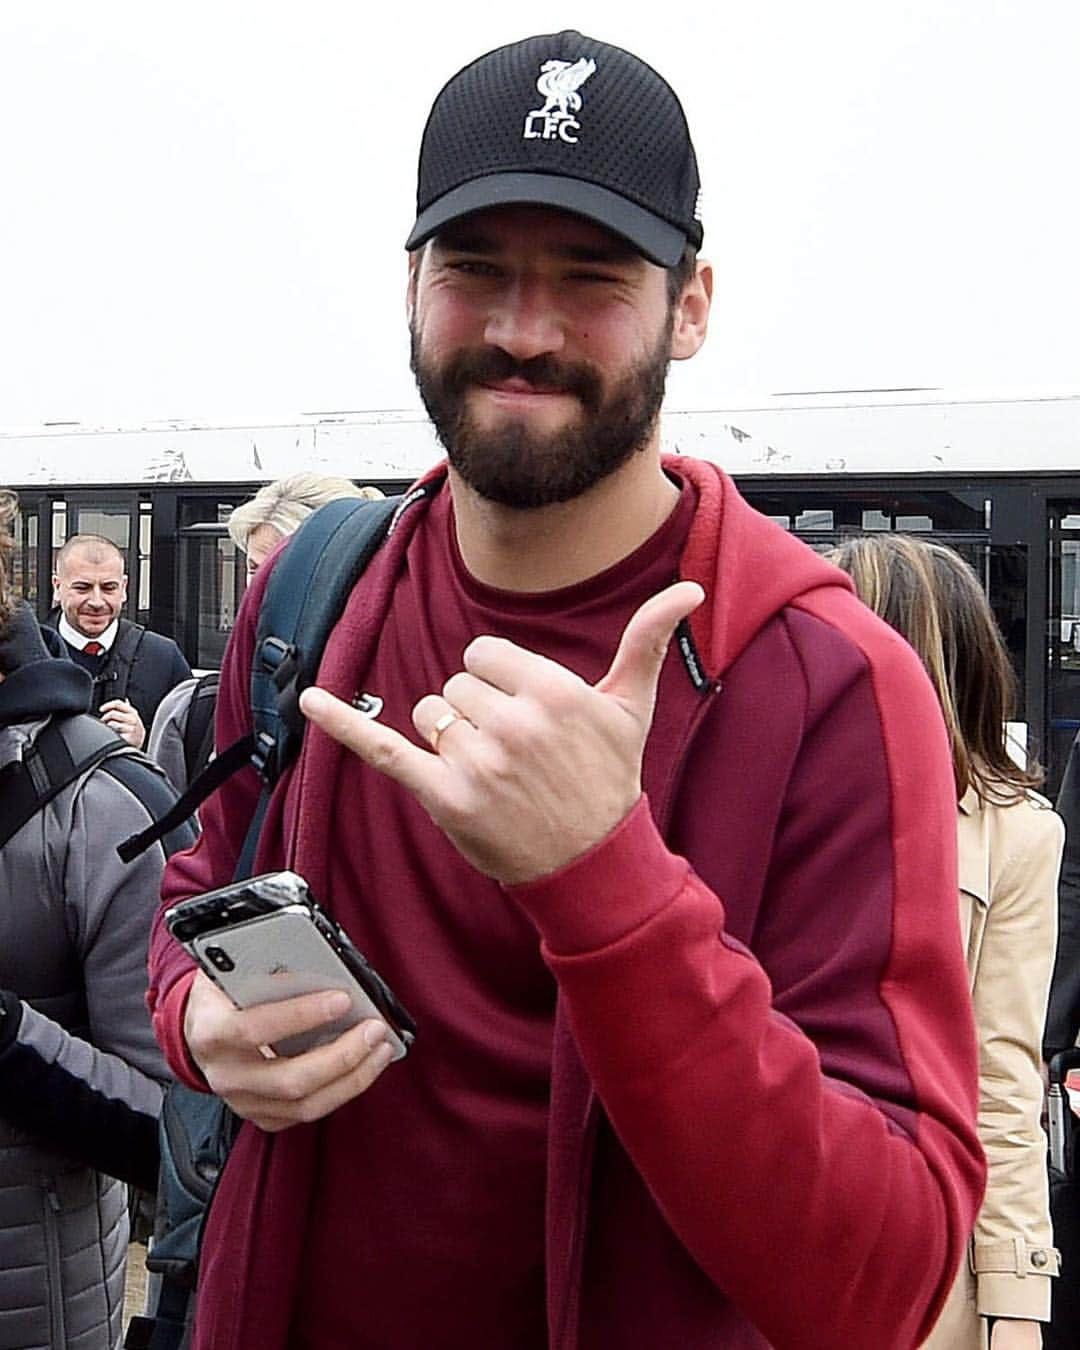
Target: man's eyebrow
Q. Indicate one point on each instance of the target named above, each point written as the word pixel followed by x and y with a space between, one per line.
pixel 617 251
pixel 466 241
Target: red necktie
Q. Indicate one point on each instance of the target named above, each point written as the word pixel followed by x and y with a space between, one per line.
pixel 93 649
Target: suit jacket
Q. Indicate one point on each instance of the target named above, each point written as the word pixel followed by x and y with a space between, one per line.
pixel 1008 868
pixel 159 666
pixel 1063 1015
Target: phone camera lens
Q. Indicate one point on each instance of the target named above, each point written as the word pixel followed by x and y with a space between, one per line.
pixel 220 958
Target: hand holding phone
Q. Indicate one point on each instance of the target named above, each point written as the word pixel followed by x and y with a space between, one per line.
pixel 319 1065
pixel 265 940
pixel 230 1047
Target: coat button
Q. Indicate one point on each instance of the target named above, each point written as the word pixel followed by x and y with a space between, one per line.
pixel 1038 1259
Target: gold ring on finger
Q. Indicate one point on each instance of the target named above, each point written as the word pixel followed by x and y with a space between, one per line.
pixel 446 721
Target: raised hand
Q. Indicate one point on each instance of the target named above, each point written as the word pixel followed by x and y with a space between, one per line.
pixel 529 765
pixel 123 717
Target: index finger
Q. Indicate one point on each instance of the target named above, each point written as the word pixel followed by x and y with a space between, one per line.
pixel 380 746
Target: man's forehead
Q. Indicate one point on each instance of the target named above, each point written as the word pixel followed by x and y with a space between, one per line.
pixel 87 559
pixel 542 229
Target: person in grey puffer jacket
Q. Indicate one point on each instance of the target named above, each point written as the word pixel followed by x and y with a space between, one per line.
pixel 80 1072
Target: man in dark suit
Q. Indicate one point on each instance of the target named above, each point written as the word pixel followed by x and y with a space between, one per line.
pixel 132 668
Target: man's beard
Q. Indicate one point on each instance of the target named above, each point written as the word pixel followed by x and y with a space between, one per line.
pixel 518 466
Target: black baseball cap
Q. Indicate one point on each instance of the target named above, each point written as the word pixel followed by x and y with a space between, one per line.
pixel 563 121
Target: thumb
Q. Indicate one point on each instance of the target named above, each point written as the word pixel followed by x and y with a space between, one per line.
pixel 633 674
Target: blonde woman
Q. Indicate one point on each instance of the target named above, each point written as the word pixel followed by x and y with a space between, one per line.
pixel 1010 845
pixel 277 509
pixel 181 745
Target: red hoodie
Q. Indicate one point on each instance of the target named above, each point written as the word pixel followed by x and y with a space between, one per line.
pixel 763 1076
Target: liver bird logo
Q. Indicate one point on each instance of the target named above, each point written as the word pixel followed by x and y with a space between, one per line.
pixel 559 83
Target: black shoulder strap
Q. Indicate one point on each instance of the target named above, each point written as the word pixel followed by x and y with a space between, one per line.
pixel 144 780
pixel 304 599
pixel 199 728
pixel 116 676
pixel 63 750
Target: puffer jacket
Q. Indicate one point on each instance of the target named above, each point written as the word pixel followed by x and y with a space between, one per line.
pixel 80 1072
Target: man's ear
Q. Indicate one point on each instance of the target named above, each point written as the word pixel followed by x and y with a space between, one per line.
pixel 690 320
pixel 410 289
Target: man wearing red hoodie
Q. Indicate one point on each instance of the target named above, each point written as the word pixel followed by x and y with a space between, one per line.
pixel 677 918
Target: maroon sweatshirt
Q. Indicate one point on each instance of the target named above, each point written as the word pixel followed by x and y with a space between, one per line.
pixel 763 1070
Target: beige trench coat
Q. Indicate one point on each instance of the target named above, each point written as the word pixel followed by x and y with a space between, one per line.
pixel 1008 868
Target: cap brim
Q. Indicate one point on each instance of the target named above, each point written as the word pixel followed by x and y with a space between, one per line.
pixel 660 242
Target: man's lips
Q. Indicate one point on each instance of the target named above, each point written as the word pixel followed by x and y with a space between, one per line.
pixel 518 388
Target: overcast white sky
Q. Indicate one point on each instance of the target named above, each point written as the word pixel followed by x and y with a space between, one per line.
pixel 204 205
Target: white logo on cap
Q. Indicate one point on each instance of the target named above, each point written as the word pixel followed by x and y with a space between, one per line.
pixel 559 83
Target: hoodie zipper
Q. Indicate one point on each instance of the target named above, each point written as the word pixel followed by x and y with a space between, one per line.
pixel 54 1275
pixel 567 1334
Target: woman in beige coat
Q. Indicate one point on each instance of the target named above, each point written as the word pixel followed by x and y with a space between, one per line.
pixel 1010 845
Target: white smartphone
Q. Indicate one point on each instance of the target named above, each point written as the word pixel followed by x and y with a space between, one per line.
pixel 266 939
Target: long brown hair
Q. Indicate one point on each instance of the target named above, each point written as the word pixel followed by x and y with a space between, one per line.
pixel 8 506
pixel 930 595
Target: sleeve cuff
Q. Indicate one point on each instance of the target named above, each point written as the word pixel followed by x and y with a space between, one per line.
pixel 10 1018
pixel 618 885
pixel 1013 1278
pixel 1010 1296
pixel 169 1029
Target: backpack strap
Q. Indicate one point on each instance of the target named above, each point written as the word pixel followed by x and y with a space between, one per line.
pixel 199 727
pixel 63 750
pixel 143 779
pixel 305 597
pixel 308 588
pixel 118 665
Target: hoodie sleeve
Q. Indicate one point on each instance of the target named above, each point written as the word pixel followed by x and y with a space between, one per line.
pixel 224 818
pixel 780 1030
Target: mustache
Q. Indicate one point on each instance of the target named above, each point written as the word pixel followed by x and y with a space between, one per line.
pixel 545 372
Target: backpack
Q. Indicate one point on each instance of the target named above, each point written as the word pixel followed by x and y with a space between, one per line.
pixel 68 747
pixel 199 727
pixel 306 594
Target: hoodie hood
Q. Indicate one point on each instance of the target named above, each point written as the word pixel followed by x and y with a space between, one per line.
pixel 36 684
pixel 749 566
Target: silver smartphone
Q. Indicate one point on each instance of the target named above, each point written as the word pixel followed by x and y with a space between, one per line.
pixel 266 939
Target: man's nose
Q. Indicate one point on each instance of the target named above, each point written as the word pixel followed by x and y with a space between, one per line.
pixel 525 321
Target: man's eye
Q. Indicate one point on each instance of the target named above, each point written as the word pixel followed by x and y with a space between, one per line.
pixel 474 267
